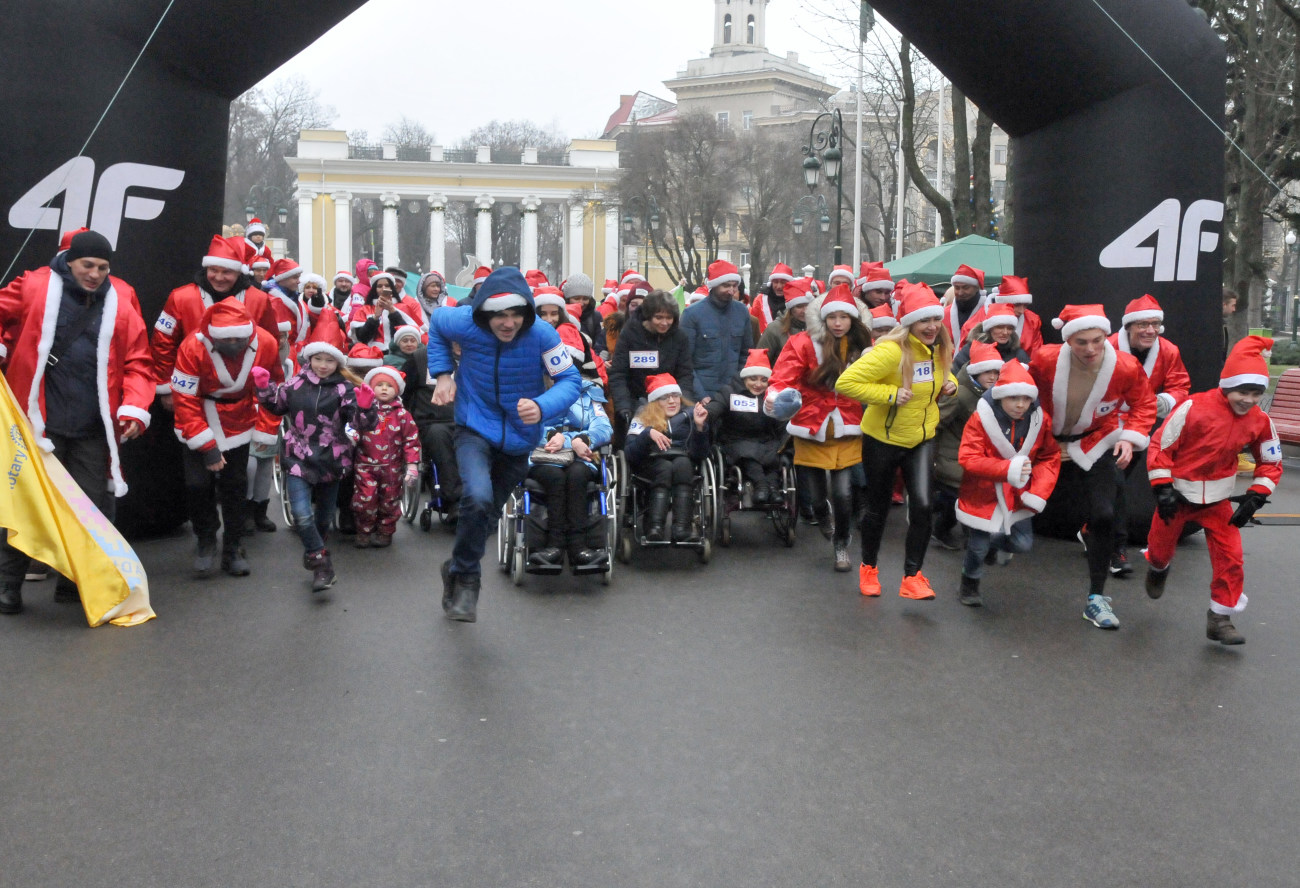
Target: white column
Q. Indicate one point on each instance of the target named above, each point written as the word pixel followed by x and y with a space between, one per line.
pixel 612 229
pixel 575 239
pixel 483 229
pixel 306 214
pixel 528 245
pixel 342 232
pixel 437 233
pixel 391 203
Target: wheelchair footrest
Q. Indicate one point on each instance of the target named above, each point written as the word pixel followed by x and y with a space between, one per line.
pixel 544 569
pixel 581 569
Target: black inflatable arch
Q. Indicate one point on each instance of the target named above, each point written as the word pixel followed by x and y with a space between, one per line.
pixel 1119 178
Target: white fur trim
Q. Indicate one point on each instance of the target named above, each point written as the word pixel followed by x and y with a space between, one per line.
pixel 964 279
pixel 779 276
pixel 126 411
pixel 1013 298
pixel 755 371
pixel 975 368
pixel 1164 403
pixel 200 439
pixel 830 306
pixel 285 275
pixel 1138 440
pixel 1159 474
pixel 802 299
pixel 865 284
pixel 550 299
pixel 1013 470
pixel 163 389
pixel 265 437
pixel 998 320
pixel 240 332
pixel 344 276
pixel 1033 501
pixel 355 363
pixel 218 262
pixel 1266 483
pixel 840 275
pixel 664 391
pixel 322 348
pixel 722 279
pixel 888 323
pixel 283 326
pixel 921 314
pixel 1087 322
pixel 1228 382
pixel 313 278
pixel 1014 389
pixel 503 301
pixel 393 374
pixel 1224 611
pixel 1151 314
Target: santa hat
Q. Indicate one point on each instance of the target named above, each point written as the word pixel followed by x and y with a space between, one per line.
pixel 968 275
pixel 840 298
pixel 1144 309
pixel 781 272
pixel 1081 317
pixel 286 268
pixel 255 226
pixel 363 355
pixel 546 295
pixel 917 302
pixel 882 318
pixel 1013 380
pixel 228 319
pixel 819 287
pixel 661 385
pixel 481 273
pixel 1013 291
pixel 344 276
pixel 722 272
pixel 1247 363
pixel 841 273
pixel 757 364
pixel 703 293
pixel 535 278
pixel 312 278
pixel 984 356
pixel 631 275
pixel 225 252
pixel 397 376
pixel 797 293
pixel 572 339
pixel 263 261
pixel 610 286
pixel 405 330
pixel 633 290
pixel 325 339
pixel 382 276
pixel 874 276
pixel 65 242
pixel 999 315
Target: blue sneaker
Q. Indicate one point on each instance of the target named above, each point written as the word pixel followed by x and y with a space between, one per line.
pixel 1098 612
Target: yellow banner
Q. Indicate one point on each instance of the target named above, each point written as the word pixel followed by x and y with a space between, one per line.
pixel 53 521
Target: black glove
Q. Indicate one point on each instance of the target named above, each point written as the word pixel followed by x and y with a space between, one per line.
pixel 318 300
pixel 394 320
pixel 626 417
pixel 1168 499
pixel 1249 504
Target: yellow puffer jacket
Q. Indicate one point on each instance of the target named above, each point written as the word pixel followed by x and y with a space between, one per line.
pixel 874 379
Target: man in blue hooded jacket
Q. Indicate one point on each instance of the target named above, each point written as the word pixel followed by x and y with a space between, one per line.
pixel 500 394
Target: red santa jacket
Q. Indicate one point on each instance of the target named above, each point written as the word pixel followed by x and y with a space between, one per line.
pixel 824 412
pixel 290 314
pixel 1029 327
pixel 1166 373
pixel 1196 449
pixel 761 308
pixel 410 313
pixel 1120 380
pixel 950 317
pixel 395 441
pixel 991 496
pixel 214 398
pixel 183 315
pixel 29 314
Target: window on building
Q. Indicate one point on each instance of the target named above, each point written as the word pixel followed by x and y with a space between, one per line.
pixel 726 28
pixel 1000 154
pixel 749 31
pixel 724 119
pixel 746 119
pixel 744 259
pixel 999 190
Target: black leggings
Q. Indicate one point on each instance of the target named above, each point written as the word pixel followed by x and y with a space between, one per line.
pixel 566 502
pixel 812 490
pixel 667 471
pixel 882 461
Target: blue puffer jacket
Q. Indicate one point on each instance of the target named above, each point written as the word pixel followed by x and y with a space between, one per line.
pixel 586 417
pixel 720 339
pixel 493 375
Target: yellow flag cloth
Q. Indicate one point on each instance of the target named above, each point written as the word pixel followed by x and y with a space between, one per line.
pixel 49 518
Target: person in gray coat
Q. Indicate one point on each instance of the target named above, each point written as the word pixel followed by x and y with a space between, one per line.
pixel 719 331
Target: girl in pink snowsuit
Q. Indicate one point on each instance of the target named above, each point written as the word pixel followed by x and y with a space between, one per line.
pixel 388 457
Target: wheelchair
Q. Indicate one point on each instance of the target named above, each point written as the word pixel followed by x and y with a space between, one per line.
pixel 734 495
pixel 277 478
pixel 436 502
pixel 518 522
pixel 634 498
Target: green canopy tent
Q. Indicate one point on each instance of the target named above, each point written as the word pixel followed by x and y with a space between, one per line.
pixel 936 266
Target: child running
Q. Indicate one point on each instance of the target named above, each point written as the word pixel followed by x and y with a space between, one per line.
pixel 388 457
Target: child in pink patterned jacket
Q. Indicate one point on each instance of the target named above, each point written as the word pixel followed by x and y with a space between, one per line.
pixel 388 457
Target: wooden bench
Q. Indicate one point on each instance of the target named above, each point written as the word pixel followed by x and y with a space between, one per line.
pixel 1284 409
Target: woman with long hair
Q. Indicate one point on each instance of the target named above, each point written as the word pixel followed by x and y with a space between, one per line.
pixel 900 381
pixel 824 424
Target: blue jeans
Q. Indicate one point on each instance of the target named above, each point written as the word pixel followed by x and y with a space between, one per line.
pixel 978 543
pixel 487 476
pixel 312 506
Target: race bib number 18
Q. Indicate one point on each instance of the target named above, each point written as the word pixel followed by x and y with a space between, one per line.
pixel 923 371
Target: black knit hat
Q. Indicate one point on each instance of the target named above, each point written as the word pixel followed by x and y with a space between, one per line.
pixel 90 245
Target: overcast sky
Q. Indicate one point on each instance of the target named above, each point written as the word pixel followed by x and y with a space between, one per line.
pixel 561 64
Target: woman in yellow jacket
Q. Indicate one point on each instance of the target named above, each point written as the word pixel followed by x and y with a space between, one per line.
pixel 900 381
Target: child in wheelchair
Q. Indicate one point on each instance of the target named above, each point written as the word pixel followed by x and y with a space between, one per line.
pixel 665 442
pixel 750 439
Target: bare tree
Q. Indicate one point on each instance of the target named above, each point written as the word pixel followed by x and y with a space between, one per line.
pixel 408 133
pixel 769 189
pixel 507 137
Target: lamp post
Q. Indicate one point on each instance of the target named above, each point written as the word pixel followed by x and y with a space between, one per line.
pixel 1292 281
pixel 649 223
pixel 261 199
pixel 823 150
pixel 816 207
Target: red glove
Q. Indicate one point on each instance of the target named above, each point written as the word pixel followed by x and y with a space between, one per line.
pixel 365 396
pixel 261 377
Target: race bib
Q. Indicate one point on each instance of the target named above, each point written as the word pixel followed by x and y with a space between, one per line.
pixel 557 360
pixel 1271 451
pixel 1106 407
pixel 166 324
pixel 643 360
pixel 598 410
pixel 184 384
pixel 922 371
pixel 743 404
pixel 635 428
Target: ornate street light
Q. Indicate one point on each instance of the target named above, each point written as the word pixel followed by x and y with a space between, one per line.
pixel 816 208
pixel 823 150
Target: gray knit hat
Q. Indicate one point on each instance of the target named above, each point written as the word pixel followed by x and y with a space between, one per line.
pixel 578 285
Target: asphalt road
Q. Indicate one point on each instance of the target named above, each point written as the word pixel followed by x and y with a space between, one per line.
pixel 753 722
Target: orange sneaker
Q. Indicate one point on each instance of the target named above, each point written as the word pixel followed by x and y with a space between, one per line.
pixel 868 581
pixel 917 587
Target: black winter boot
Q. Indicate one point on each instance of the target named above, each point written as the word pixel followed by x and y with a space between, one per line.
pixel 464 602
pixel 257 508
pixel 235 562
pixel 1218 627
pixel 969 594
pixel 448 586
pixel 656 514
pixel 322 570
pixel 205 558
pixel 683 517
pixel 1156 581
pixel 11 598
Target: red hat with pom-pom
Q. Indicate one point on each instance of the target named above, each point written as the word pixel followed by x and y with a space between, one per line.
pixel 1075 318
pixel 757 364
pixel 1014 380
pixel 661 385
pixel 984 356
pixel 1247 363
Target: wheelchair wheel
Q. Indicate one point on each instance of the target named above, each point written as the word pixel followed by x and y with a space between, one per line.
pixel 607 577
pixel 708 501
pixel 517 566
pixel 625 549
pixel 426 518
pixel 505 534
pixel 706 551
pixel 724 530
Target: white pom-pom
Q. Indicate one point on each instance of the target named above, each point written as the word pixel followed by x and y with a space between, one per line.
pixel 1057 323
pixel 1162 328
pixel 1266 353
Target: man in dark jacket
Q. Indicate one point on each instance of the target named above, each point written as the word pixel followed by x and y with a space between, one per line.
pixel 719 330
pixel 651 342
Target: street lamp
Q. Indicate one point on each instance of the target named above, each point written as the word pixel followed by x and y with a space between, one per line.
pixel 264 196
pixel 649 223
pixel 823 149
pixel 816 208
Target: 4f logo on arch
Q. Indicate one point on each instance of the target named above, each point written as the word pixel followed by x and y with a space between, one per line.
pixel 1180 240
pixel 75 181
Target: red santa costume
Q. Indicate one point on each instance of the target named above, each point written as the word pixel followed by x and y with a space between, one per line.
pixel 29 313
pixel 407 311
pixel 263 253
pixel 874 280
pixel 1013 291
pixel 1195 454
pixel 384 457
pixel 1163 364
pixel 290 314
pixel 841 274
pixel 570 330
pixel 882 320
pixel 951 313
pixel 182 314
pixel 761 307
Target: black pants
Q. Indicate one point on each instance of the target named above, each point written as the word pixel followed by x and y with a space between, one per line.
pixel 86 460
pixel 944 507
pixel 842 495
pixel 1139 462
pixel 667 471
pixel 881 462
pixel 566 502
pixel 1093 492
pixel 438 441
pixel 205 489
